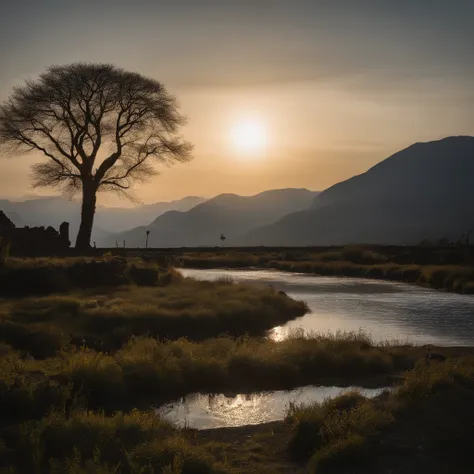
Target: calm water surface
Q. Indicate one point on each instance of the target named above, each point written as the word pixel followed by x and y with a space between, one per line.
pixel 219 411
pixel 385 310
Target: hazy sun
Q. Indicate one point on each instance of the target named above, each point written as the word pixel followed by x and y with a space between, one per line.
pixel 249 136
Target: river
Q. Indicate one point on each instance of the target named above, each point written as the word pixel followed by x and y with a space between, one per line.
pixel 387 311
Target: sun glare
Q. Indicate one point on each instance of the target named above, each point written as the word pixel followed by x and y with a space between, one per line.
pixel 249 137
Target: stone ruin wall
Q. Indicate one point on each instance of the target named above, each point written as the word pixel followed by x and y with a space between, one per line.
pixel 34 241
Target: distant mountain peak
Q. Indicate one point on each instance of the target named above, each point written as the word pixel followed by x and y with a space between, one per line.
pixel 421 192
pixel 228 214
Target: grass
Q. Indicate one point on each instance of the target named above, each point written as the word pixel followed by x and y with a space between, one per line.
pixel 146 371
pixel 107 319
pixel 342 434
pixel 449 269
pixel 334 426
pixel 87 442
pixel 95 342
pixel 220 260
pixel 60 414
pixel 20 277
pixel 347 434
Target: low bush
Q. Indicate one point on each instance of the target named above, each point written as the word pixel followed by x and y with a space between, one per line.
pixel 342 453
pixel 131 443
pixel 41 342
pixel 339 433
pixel 319 426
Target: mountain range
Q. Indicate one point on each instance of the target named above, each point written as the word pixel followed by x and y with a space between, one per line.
pixel 52 211
pixel 228 214
pixel 422 192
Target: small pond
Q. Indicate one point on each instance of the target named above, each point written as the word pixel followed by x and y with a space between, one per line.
pixel 207 411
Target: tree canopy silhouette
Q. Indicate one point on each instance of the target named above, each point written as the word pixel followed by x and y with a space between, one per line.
pixel 99 128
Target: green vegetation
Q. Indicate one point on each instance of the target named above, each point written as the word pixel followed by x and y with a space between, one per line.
pixel 105 319
pixel 63 410
pixel 88 442
pixel 448 268
pixel 43 276
pixel 146 371
pixel 338 435
pixel 84 357
pixel 90 337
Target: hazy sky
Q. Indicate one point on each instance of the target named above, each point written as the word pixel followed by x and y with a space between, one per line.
pixel 338 84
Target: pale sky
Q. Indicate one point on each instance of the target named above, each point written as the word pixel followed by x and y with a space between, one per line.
pixel 337 85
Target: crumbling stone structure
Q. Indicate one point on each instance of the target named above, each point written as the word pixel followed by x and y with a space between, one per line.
pixel 34 241
pixel 5 223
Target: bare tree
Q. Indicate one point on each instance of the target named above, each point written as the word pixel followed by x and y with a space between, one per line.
pixel 99 128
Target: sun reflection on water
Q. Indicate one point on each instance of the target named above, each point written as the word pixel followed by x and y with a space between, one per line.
pixel 205 411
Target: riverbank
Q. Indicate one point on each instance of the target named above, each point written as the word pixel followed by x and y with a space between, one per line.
pixel 449 269
pixel 423 426
pixel 146 372
pixel 101 303
pixel 84 363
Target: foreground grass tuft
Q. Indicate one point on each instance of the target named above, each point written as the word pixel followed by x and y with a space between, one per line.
pixel 339 433
pixel 137 442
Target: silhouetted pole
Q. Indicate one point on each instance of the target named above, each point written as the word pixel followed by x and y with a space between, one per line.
pixel 147 235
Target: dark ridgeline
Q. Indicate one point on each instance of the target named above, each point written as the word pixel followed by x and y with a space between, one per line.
pixel 422 192
pixel 227 214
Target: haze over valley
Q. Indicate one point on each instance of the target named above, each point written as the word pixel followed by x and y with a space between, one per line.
pixel 421 193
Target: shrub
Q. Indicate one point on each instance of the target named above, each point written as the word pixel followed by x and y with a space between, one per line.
pixel 91 442
pixel 430 378
pixel 23 277
pixel 144 276
pixel 343 453
pixel 96 273
pixel 174 455
pixel 325 426
pixel 40 342
pixel 96 377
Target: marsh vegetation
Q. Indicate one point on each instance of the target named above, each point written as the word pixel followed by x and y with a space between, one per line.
pixel 93 346
pixel 448 268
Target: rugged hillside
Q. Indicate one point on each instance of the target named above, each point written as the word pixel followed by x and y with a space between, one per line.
pixel 227 214
pixel 422 192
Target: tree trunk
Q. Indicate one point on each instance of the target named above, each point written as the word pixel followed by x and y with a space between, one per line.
pixel 83 241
